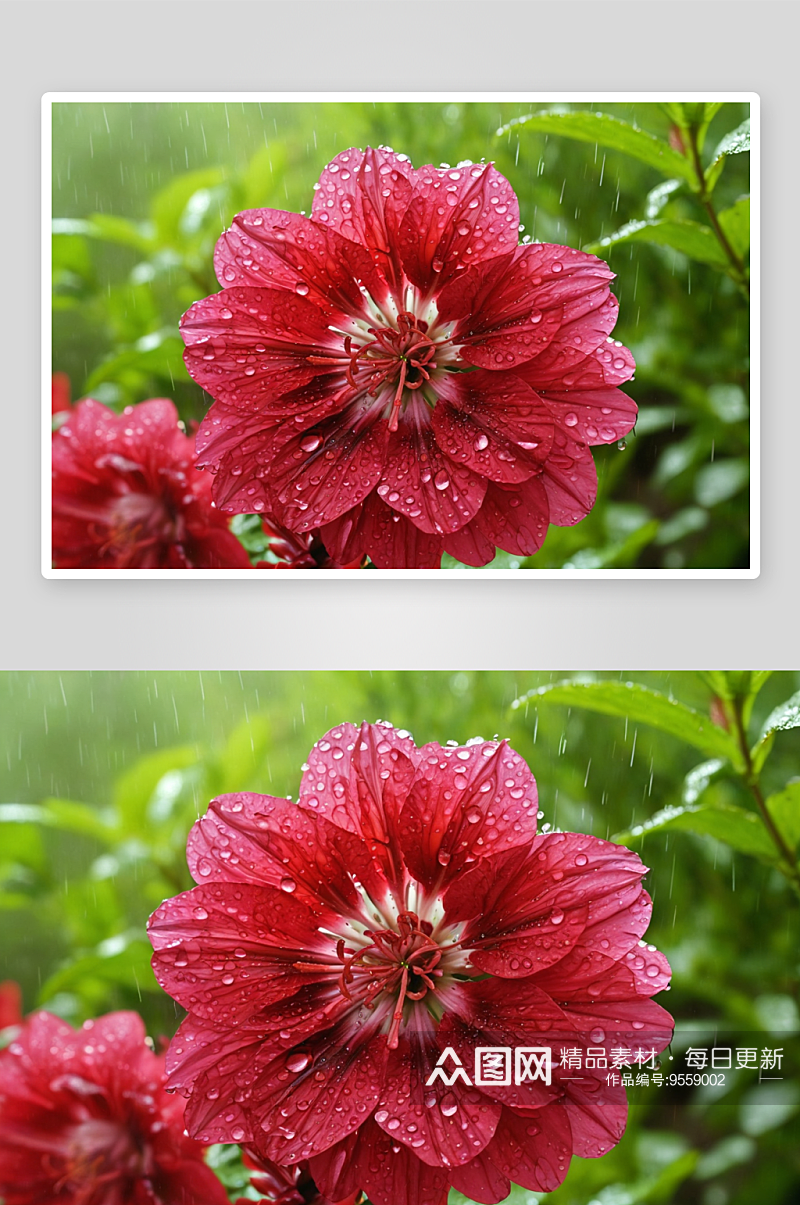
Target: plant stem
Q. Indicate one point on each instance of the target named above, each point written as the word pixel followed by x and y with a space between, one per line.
pixel 705 201
pixel 751 779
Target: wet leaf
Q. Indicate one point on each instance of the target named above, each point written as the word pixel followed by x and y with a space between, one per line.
pixel 608 132
pixel 783 718
pixel 784 808
pixel 741 830
pixel 640 705
pixel 736 224
pixel 696 241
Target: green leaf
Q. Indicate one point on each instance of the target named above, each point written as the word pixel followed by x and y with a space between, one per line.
pixel 608 132
pixel 62 814
pixel 135 789
pixel 689 238
pixel 696 781
pixel 783 718
pixel 641 705
pixel 741 830
pixel 170 204
pixel 159 353
pixel 123 960
pixel 717 482
pixel 734 143
pixel 657 198
pixel 243 755
pixel 736 224
pixel 784 808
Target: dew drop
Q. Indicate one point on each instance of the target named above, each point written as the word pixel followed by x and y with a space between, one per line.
pixel 288 885
pixel 448 1105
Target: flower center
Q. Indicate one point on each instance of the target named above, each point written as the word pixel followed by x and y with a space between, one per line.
pixel 139 521
pixel 405 355
pixel 403 963
pixel 101 1152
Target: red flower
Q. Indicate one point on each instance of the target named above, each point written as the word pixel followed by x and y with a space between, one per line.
pixel 334 948
pixel 126 494
pixel 286 1185
pixel 61 393
pixel 398 371
pixel 85 1120
pixel 10 1004
pixel 299 551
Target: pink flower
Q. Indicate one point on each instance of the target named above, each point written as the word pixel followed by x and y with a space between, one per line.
pixel 335 948
pixel 85 1120
pixel 126 494
pixel 398 371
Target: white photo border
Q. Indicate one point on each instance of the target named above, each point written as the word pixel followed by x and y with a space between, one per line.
pixel 533 98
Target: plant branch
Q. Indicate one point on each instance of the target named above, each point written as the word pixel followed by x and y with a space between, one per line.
pixel 751 779
pixel 705 200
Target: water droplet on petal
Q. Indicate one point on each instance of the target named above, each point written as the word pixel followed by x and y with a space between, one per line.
pixel 288 885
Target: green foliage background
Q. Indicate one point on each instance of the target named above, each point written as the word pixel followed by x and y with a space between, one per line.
pixel 103 774
pixel 142 191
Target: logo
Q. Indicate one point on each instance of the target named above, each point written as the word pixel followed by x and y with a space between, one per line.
pixel 493 1065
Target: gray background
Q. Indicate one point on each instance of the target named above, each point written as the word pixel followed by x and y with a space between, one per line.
pixel 437 45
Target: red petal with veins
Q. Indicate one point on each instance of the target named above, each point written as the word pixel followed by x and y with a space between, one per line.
pixel 389 538
pixel 597 1112
pixel 516 518
pixel 270 248
pixel 226 950
pixel 386 1170
pixel 304 1112
pixel 532 1150
pixel 469 544
pixel 583 332
pixel 247 345
pixel 260 839
pixel 537 918
pixel 465 803
pixel 421 482
pixel 494 424
pixel 511 309
pixel 359 779
pixel 458 216
pixel 445 1126
pixel 318 475
pixel 570 481
pixel 364 195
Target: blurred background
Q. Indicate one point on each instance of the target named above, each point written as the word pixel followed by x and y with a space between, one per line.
pixel 104 773
pixel 142 191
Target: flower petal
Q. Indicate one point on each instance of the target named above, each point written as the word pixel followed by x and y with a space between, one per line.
pixel 532 1150
pixel 226 950
pixel 359 779
pixel 385 1170
pixel 272 842
pixel 511 309
pixel 457 216
pixel 275 249
pixel 597 1113
pixel 529 922
pixel 421 482
pixel 570 480
pixel 304 1112
pixel 364 195
pixel 445 1126
pixel 494 424
pixel 318 475
pixel 465 803
pixel 248 345
pixel 389 538
pixel 516 518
